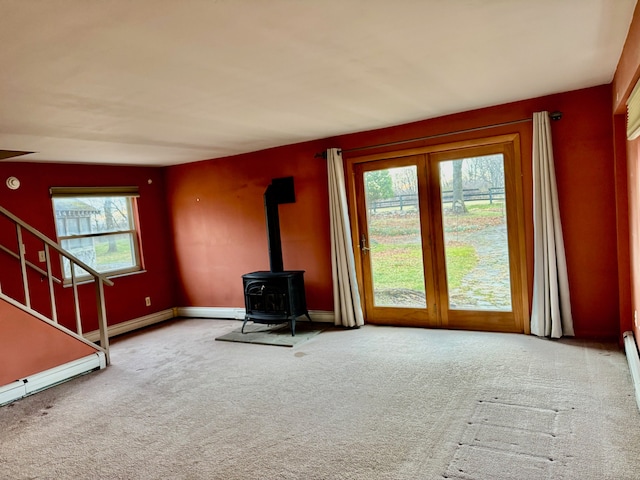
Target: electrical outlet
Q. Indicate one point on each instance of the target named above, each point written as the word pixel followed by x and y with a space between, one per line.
pixel 41 256
pixel 147 301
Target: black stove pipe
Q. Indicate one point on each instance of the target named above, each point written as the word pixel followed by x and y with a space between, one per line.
pixel 280 191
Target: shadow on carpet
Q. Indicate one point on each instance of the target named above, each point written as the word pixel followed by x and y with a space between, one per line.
pixel 278 335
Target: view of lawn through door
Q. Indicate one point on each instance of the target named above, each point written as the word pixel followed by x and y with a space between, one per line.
pixel 472 194
pixel 391 197
pixel 474 222
pixel 440 235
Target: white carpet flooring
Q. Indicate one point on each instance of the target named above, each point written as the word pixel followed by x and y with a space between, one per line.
pixel 371 403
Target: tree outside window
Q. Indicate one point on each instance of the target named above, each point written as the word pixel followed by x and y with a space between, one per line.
pixel 98 230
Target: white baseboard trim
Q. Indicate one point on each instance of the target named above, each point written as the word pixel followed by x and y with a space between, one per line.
pixel 12 392
pixel 321 316
pixel 134 324
pixel 223 313
pixel 631 349
pixel 49 378
pixel 229 313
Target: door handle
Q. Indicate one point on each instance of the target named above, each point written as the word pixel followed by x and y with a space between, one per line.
pixel 363 244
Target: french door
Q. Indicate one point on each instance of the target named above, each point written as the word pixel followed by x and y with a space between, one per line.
pixel 439 236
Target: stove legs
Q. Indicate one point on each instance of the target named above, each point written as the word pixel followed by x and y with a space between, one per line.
pixel 291 321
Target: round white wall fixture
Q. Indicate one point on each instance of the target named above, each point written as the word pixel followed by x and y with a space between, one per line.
pixel 13 183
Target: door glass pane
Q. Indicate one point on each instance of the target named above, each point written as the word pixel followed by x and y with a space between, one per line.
pixel 474 220
pixel 393 219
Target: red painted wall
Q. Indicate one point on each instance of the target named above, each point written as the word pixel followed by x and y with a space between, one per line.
pixel 627 71
pixel 217 215
pixel 622 222
pixel 628 186
pixel 633 157
pixel 28 345
pixel 210 216
pixel 32 203
pixel 218 224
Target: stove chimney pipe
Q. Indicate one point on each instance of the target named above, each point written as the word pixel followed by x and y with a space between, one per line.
pixel 281 190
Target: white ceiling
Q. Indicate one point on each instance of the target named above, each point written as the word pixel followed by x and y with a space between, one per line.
pixel 162 82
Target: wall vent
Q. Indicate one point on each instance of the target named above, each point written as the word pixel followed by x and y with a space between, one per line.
pixel 633 113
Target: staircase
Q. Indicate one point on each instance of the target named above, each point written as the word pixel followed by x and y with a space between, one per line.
pixel 61 350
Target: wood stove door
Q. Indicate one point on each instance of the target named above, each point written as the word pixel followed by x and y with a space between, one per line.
pixel 267 297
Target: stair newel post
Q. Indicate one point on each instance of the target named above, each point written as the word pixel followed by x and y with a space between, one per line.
pixel 47 257
pixel 23 266
pixel 102 318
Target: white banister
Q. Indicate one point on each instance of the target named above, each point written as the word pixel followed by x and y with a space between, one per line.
pixel 76 300
pixel 47 257
pixel 55 246
pixel 23 266
pixel 102 318
pixel 31 265
pixel 74 262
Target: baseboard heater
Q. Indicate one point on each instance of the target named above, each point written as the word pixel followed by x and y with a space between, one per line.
pixel 39 381
pixel 631 350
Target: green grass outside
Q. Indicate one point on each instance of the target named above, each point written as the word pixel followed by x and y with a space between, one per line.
pixel 122 256
pixel 461 260
pixel 397 266
pixel 400 265
pixel 485 209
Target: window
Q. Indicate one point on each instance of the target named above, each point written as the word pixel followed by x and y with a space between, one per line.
pixel 98 226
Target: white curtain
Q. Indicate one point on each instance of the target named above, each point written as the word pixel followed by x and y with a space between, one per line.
pixel 346 297
pixel 551 309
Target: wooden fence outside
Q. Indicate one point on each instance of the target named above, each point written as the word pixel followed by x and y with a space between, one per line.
pixel 468 194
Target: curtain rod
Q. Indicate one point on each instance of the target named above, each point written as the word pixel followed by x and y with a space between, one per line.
pixel 553 116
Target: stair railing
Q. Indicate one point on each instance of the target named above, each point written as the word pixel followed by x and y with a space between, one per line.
pixel 99 279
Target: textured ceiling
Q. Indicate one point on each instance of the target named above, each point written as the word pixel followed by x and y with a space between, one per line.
pixel 161 82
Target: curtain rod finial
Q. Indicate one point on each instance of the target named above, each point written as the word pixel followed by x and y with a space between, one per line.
pixel 555 116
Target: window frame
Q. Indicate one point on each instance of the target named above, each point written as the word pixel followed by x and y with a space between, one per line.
pixel 133 232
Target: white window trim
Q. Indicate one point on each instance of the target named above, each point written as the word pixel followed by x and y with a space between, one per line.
pixel 130 193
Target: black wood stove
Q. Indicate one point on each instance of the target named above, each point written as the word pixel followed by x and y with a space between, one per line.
pixel 276 296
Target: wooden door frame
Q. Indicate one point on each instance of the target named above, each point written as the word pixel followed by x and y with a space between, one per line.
pixel 520 297
pixel 513 320
pixel 406 316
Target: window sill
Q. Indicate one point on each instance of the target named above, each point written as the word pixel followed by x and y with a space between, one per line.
pixel 85 280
